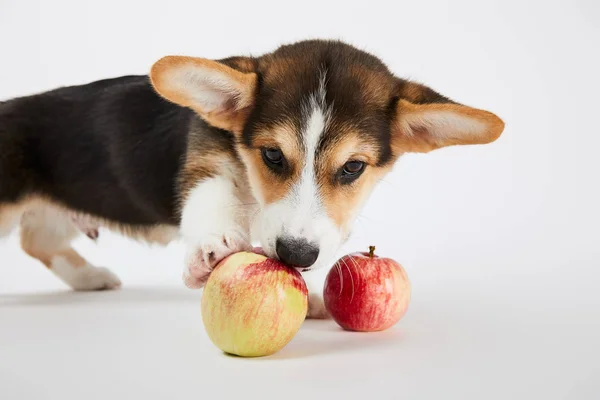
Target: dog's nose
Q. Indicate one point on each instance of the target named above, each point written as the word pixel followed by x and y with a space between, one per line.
pixel 296 252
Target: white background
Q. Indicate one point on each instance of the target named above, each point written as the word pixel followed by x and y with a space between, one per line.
pixel 501 241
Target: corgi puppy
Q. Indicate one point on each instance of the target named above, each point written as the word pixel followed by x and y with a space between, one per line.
pixel 281 149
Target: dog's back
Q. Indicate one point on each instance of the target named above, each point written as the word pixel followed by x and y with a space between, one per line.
pixel 12 186
pixel 114 137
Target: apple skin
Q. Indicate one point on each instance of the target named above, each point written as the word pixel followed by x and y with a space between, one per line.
pixel 253 305
pixel 366 293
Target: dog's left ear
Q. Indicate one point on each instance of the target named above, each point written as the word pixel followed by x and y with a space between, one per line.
pixel 424 121
pixel 220 94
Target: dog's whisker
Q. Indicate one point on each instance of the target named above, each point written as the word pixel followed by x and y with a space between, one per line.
pixel 387 182
pixel 359 272
pixel 243 205
pixel 351 279
pixel 338 268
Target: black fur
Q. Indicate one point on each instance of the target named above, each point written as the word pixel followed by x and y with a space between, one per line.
pixel 111 148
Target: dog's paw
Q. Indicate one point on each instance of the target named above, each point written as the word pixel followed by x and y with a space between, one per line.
pixel 316 307
pixel 201 260
pixel 89 278
pixel 214 225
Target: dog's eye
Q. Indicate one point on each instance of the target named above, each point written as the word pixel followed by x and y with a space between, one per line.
pixel 353 167
pixel 351 171
pixel 273 157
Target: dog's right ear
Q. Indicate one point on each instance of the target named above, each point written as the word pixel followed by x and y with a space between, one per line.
pixel 220 94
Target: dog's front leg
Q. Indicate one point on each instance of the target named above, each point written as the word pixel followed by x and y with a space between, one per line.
pixel 315 280
pixel 214 224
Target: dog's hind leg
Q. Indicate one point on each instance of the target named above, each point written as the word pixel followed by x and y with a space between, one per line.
pixel 46 234
pixel 9 218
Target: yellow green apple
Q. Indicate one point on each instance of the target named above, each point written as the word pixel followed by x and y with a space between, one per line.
pixel 253 305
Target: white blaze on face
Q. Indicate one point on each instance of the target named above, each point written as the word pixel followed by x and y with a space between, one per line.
pixel 305 194
pixel 301 214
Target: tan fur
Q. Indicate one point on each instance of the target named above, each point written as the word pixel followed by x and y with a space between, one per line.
pixel 414 92
pixel 352 197
pixel 157 234
pixel 230 121
pixel 241 86
pixel 350 146
pixel 198 166
pixel 268 186
pixel 47 232
pixel 411 133
pixel 343 202
pixel 376 87
pixel 242 64
pixel 11 215
pixel 205 159
pixel 279 70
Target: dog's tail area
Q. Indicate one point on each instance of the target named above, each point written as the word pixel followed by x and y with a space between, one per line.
pixel 10 189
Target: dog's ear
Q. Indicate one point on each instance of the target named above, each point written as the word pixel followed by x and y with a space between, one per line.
pixel 221 92
pixel 424 121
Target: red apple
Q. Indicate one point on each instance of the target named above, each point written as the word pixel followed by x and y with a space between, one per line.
pixel 253 305
pixel 366 293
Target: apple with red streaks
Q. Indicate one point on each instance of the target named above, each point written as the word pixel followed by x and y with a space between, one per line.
pixel 364 292
pixel 253 305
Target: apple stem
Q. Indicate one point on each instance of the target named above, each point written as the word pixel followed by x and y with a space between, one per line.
pixel 371 251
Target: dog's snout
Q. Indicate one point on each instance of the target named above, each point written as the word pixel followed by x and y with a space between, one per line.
pixel 297 252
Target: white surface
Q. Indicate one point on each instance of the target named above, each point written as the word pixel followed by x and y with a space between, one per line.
pixel 500 242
